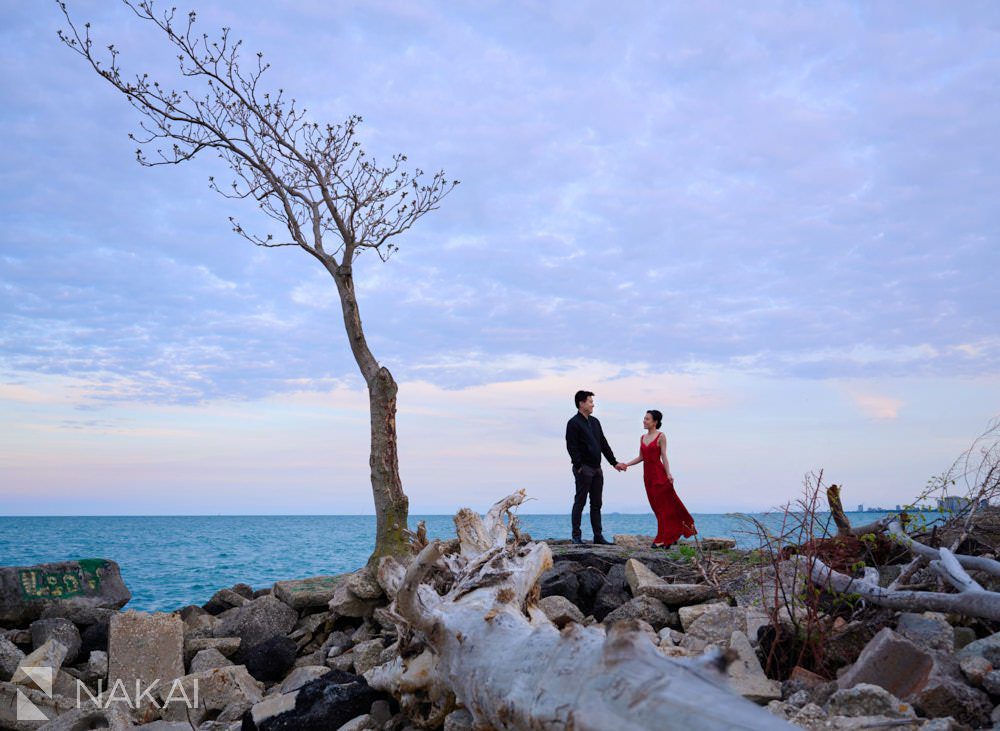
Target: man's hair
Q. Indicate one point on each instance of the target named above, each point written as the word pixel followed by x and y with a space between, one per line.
pixel 582 396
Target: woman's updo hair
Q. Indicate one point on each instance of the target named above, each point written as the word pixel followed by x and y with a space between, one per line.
pixel 657 417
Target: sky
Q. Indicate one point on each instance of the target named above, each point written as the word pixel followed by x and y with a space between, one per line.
pixel 775 222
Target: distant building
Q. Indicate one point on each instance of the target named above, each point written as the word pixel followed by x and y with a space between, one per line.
pixel 952 503
pixel 861 508
pixel 898 508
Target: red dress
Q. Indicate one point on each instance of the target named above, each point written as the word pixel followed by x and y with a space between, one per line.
pixel 672 518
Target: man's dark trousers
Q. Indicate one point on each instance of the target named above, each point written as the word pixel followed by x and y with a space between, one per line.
pixel 589 483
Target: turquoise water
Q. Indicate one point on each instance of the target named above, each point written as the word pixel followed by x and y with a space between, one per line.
pixel 170 561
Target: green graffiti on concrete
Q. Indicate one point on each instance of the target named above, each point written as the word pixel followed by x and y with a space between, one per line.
pixel 82 579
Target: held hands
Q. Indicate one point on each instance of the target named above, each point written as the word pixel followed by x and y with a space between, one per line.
pixel 621 466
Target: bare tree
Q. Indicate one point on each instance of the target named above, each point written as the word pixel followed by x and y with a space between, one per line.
pixel 334 201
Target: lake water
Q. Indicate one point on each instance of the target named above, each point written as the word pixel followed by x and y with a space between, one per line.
pixel 170 561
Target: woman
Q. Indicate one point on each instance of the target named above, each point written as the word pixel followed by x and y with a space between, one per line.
pixel 672 518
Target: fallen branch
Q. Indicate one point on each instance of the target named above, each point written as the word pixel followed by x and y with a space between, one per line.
pixel 483 644
pixel 977 563
pixel 971 601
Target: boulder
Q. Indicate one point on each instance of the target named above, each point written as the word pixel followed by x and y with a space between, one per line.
pixel 26 591
pixel 208 659
pixel 225 645
pixel 716 622
pixel 612 594
pixel 866 699
pixel 560 610
pixel 561 580
pixel 49 655
pixel 367 655
pixel 642 580
pixel 345 603
pixel 325 703
pixel 364 585
pixel 145 647
pixel 929 630
pixel 891 662
pixel 645 608
pixel 270 659
pixel 48 705
pixel 712 543
pixel 10 658
pixel 57 628
pixel 97 664
pixel 312 593
pixel 222 600
pixel 946 694
pixel 302 675
pixel 975 668
pixel 228 689
pixel 745 674
pixel 95 637
pixel 255 622
pixel 632 542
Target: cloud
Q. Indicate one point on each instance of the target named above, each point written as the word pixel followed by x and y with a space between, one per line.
pixel 806 191
pixel 877 406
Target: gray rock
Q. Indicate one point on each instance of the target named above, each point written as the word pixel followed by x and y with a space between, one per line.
pixel 255 622
pixel 361 723
pixel 364 585
pixel 991 682
pixel 367 655
pixel 963 636
pixel 892 662
pixel 51 655
pixel 345 603
pixel 746 675
pixel 866 699
pixel 57 628
pixel 231 689
pixel 612 594
pixel 302 675
pixel 312 593
pixel 645 608
pixel 224 599
pixel 10 658
pixel 642 580
pixel 114 718
pixel 97 664
pixel 381 712
pixel 975 668
pixel 145 647
pixel 208 659
pixel 929 630
pixel 560 610
pixel 987 647
pixel 26 591
pixel 226 645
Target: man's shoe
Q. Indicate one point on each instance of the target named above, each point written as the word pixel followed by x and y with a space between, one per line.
pixel 600 541
pixel 577 540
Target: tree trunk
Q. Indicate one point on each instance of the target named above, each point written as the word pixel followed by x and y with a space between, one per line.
pixel 391 504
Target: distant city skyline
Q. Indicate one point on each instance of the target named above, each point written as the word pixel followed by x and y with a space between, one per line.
pixel 774 223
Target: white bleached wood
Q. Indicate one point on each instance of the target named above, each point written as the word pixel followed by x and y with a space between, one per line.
pixel 486 643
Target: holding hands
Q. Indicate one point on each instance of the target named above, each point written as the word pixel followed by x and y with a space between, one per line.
pixel 621 466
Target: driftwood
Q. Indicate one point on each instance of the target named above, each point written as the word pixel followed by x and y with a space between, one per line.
pixel 471 635
pixel 972 600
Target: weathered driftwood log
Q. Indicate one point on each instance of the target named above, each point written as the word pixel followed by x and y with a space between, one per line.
pixel 977 563
pixel 972 600
pixel 471 634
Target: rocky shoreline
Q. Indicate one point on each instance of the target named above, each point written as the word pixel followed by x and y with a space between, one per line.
pixel 294 655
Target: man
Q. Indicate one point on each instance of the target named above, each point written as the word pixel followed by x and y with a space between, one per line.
pixel 585 443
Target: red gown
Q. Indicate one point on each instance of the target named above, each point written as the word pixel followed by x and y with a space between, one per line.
pixel 672 518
